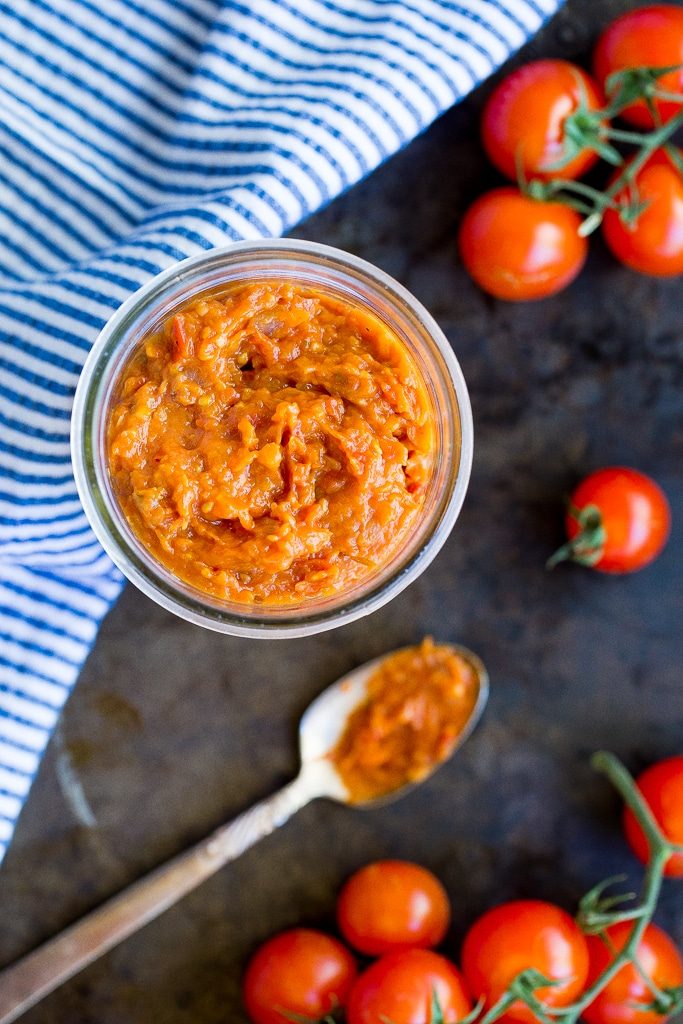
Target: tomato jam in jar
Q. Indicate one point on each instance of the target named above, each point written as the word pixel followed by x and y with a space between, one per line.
pixel 272 438
pixel 272 443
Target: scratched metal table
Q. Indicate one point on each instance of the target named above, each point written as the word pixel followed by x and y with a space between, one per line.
pixel 173 729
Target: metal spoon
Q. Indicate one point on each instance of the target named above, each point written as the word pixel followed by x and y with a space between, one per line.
pixel 27 981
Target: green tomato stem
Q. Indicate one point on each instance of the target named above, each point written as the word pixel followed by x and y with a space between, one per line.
pixel 654 988
pixel 598 922
pixel 587 547
pixel 655 139
pixel 499 1008
pixel 675 157
pixel 620 96
pixel 588 191
pixel 623 782
pixel 671 97
pixel 633 138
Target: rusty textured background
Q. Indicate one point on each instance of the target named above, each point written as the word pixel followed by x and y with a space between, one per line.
pixel 172 729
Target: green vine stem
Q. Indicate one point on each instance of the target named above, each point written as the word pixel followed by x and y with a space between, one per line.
pixel 588 545
pixel 589 129
pixel 654 140
pixel 631 138
pixel 596 916
pixel 560 189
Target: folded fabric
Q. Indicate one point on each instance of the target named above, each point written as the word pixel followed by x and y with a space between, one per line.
pixel 134 134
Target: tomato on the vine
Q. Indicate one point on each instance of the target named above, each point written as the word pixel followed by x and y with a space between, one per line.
pixel 646 37
pixel 393 904
pixel 524 119
pixel 519 248
pixel 618 521
pixel 653 244
pixel 300 971
pixel 403 987
pixel 515 937
pixel 658 957
pixel 661 786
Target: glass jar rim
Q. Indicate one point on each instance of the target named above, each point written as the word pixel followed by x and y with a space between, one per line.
pixel 106 519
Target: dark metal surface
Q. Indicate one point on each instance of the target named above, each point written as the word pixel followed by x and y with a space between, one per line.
pixel 173 729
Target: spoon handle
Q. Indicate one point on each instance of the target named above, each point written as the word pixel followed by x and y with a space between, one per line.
pixel 27 981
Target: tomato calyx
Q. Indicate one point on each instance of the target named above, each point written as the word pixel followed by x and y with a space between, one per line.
pixel 597 911
pixel 628 85
pixel 523 989
pixel 436 1014
pixel 588 546
pixel 586 129
pixel 435 1011
pixel 666 1002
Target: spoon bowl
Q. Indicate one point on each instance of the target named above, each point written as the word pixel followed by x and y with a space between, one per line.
pixel 325 719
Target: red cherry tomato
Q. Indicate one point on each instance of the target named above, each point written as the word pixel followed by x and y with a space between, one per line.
pixel 654 243
pixel 516 936
pixel 662 787
pixel 647 37
pixel 524 117
pixel 297 972
pixel 657 955
pixel 393 905
pixel 401 987
pixel 618 521
pixel 518 248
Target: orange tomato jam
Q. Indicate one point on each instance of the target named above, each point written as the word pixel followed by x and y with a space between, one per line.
pixel 418 702
pixel 271 444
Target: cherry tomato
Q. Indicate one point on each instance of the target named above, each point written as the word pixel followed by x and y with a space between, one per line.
pixel 662 787
pixel 518 248
pixel 654 243
pixel 524 117
pixel 393 905
pixel 400 988
pixel 618 521
pixel 297 972
pixel 647 37
pixel 658 956
pixel 516 936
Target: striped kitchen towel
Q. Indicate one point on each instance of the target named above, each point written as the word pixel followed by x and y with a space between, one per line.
pixel 135 133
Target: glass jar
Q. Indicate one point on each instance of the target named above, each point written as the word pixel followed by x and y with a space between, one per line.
pixel 307 264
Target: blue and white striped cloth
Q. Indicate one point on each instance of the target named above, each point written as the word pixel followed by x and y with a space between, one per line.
pixel 134 133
